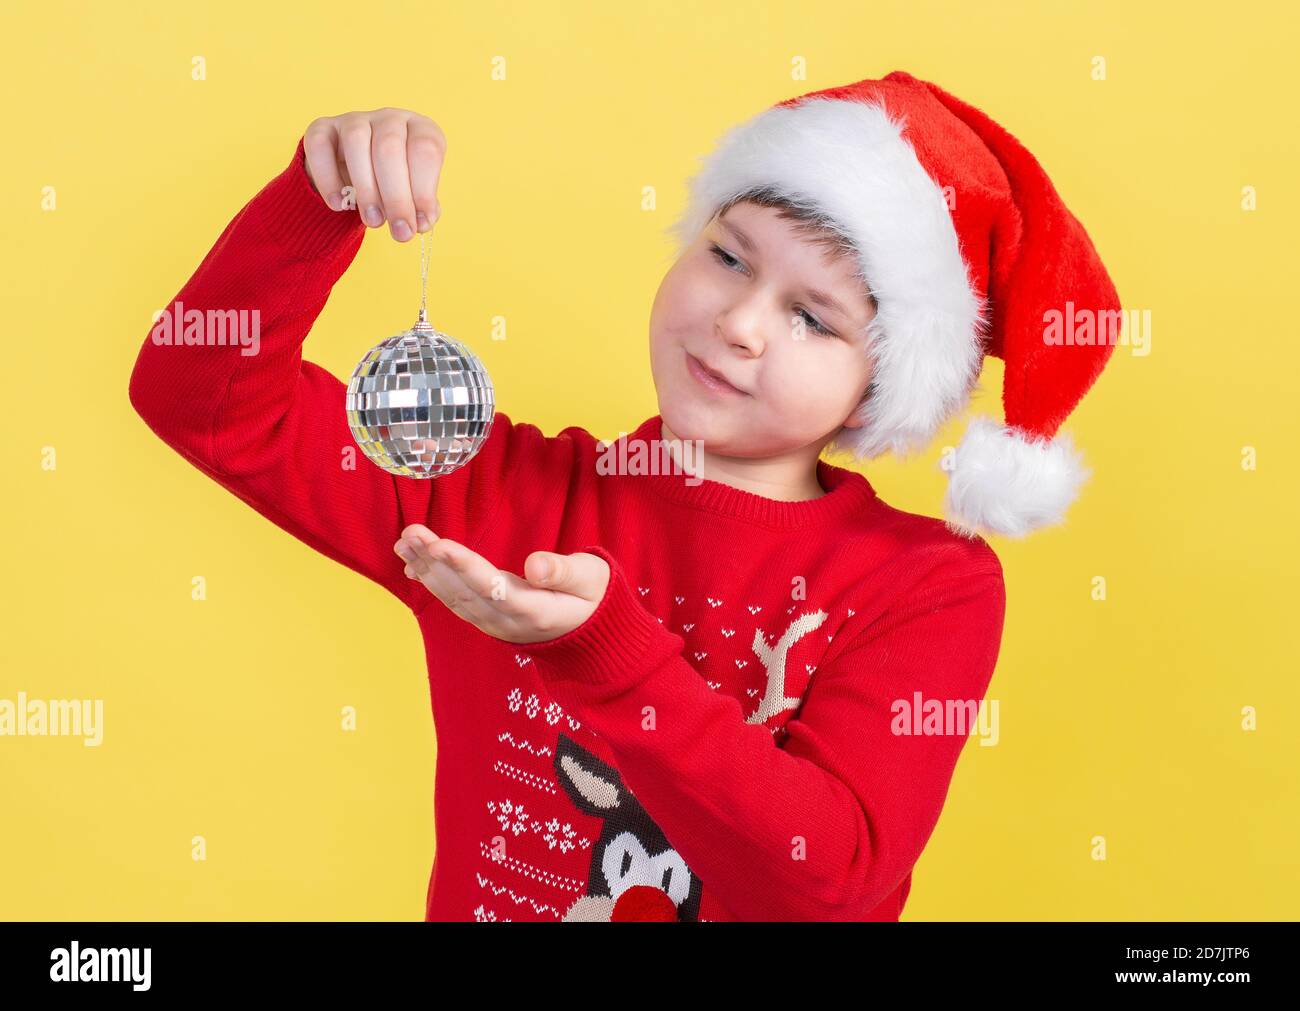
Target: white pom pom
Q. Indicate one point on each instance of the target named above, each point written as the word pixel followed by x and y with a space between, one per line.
pixel 1005 483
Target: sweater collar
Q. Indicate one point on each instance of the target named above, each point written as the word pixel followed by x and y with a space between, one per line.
pixel 847 492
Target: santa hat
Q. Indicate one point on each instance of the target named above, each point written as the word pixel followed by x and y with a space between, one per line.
pixel 968 250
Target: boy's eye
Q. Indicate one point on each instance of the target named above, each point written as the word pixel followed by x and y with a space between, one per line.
pixel 723 257
pixel 812 322
pixel 730 262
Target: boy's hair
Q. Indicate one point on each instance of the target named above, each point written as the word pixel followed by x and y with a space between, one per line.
pixel 809 221
pixel 821 230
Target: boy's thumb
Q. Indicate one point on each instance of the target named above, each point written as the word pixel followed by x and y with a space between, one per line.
pixel 548 568
pixel 581 573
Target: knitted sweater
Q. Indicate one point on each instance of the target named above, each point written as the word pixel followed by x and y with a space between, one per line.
pixel 757 721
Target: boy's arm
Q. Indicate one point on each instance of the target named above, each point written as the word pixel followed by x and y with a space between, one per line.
pixel 827 825
pixel 271 427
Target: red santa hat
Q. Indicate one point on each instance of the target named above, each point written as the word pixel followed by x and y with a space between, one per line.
pixel 968 250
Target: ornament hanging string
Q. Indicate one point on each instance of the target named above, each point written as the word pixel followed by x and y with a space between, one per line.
pixel 422 324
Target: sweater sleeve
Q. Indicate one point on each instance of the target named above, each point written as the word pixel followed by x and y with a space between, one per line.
pixel 271 427
pixel 826 825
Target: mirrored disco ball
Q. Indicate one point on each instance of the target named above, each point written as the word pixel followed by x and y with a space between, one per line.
pixel 420 404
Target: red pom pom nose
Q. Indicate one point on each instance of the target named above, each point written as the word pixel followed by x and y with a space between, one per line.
pixel 644 902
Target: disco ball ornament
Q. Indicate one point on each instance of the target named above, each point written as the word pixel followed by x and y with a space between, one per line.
pixel 420 404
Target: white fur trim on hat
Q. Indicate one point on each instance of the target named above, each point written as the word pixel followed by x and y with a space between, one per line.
pixel 848 160
pixel 1003 482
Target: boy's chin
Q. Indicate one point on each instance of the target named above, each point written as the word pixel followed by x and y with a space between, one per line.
pixel 691 419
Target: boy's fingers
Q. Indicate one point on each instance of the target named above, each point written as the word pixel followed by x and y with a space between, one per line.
pixel 421 563
pixel 418 534
pixel 469 586
pixel 354 142
pixel 464 601
pixel 388 155
pixel 320 146
pixel 413 544
pixel 425 152
pixel 502 589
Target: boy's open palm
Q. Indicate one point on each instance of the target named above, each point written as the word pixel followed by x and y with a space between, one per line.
pixel 557 594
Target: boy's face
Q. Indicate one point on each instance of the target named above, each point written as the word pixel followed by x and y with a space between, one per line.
pixel 744 309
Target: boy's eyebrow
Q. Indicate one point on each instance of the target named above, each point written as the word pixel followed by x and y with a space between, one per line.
pixel 823 299
pixel 827 302
pixel 741 237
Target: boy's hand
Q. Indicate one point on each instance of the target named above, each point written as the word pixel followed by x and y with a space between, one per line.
pixel 390 157
pixel 558 594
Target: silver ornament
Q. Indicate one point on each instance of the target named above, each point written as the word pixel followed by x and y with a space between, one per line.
pixel 420 404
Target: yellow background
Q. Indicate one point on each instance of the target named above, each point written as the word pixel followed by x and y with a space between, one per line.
pixel 1119 718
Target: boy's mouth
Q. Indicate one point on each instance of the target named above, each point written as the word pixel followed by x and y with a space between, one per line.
pixel 713 381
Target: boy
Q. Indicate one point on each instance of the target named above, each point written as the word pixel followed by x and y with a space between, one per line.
pixel 730 691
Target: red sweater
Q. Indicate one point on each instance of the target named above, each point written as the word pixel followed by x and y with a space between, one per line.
pixel 735 733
